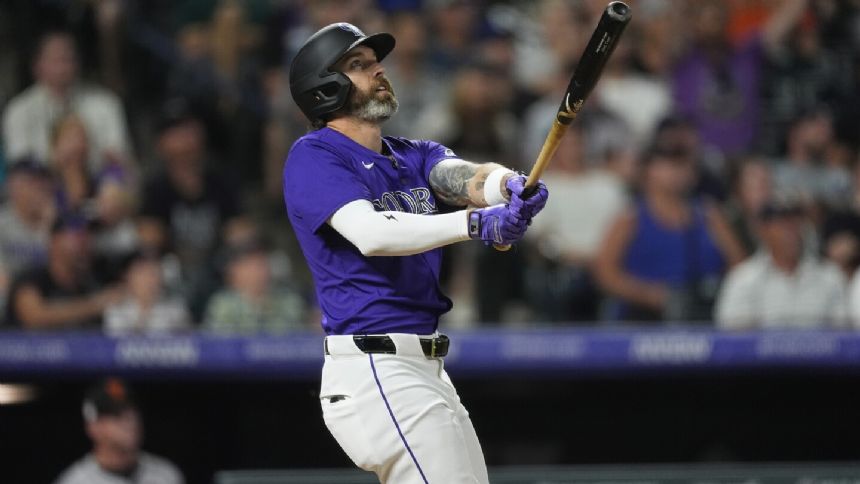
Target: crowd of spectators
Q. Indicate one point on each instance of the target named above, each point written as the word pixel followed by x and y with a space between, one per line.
pixel 712 176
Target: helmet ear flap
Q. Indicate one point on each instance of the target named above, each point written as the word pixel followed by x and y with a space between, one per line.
pixel 326 97
pixel 333 91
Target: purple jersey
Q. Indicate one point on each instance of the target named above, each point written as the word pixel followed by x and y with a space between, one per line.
pixel 324 171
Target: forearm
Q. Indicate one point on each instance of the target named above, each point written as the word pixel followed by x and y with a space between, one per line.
pixel 397 233
pixel 780 23
pixel 56 315
pixel 634 290
pixel 462 183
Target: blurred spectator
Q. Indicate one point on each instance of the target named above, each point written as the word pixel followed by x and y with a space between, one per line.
pixel 782 285
pixel 718 84
pixel 800 75
pixel 655 35
pixel 25 217
pixel 558 43
pixel 475 123
pixel 30 116
pixel 751 189
pixel 114 426
pixel 585 201
pixel 145 309
pixel 854 300
pixel 62 294
pixel 664 257
pixel 251 304
pixel 105 197
pixel 68 158
pixel 418 87
pixel 9 55
pixel 218 74
pixel 319 13
pixel 679 135
pixel 455 25
pixel 840 230
pixel 25 222
pixel 187 207
pixel 113 225
pixel 809 170
pixel 619 84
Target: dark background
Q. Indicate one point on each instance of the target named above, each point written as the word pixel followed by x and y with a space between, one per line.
pixel 205 426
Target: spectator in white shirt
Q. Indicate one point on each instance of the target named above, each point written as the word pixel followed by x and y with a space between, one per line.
pixel 145 308
pixel 30 116
pixel 587 197
pixel 782 286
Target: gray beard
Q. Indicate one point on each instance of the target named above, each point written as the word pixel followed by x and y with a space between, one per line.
pixel 367 107
pixel 375 110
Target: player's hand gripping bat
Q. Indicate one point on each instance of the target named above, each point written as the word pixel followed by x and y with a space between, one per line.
pixel 597 52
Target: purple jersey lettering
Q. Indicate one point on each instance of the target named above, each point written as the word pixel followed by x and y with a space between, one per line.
pixel 324 171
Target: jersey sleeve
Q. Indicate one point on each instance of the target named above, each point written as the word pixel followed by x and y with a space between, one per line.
pixel 434 153
pixel 317 182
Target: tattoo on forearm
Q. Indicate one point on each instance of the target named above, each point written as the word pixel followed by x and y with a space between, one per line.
pixel 450 182
pixel 460 184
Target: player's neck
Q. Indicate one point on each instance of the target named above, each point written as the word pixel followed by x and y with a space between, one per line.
pixel 364 133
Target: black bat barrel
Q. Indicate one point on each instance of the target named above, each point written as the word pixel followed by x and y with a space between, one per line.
pixel 597 52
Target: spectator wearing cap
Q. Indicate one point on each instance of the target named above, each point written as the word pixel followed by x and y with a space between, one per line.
pixel 664 257
pixel 25 221
pixel 114 426
pixel 187 208
pixel 251 303
pixel 30 116
pixel 782 286
pixel 62 294
pixel 145 308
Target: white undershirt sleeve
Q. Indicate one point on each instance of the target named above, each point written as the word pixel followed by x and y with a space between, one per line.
pixel 397 233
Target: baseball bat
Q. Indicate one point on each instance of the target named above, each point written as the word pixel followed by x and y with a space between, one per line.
pixel 588 70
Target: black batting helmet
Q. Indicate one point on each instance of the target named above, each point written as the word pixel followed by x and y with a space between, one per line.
pixel 315 87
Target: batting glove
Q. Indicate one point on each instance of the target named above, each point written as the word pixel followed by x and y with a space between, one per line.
pixel 497 225
pixel 528 207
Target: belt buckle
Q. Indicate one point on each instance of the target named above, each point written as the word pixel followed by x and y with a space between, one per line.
pixel 433 347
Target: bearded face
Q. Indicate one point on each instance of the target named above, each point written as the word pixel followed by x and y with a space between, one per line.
pixel 374 105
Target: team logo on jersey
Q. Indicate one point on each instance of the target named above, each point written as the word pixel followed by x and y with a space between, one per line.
pixel 416 200
pixel 449 152
pixel 367 165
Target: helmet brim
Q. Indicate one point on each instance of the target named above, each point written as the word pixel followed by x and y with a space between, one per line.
pixel 381 43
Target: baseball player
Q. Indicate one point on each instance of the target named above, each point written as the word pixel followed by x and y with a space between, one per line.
pixel 371 214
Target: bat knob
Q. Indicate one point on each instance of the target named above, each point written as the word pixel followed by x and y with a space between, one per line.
pixel 619 11
pixel 502 248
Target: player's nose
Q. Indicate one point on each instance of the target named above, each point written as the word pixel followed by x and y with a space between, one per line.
pixel 378 70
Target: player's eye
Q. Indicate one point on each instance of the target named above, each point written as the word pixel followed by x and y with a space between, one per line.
pixel 356 64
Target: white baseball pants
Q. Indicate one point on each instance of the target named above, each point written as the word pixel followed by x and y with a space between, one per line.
pixel 399 415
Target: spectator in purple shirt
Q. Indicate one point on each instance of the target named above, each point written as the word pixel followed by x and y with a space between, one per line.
pixel 717 85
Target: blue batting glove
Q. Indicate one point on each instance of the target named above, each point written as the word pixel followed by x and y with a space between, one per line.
pixel 497 225
pixel 526 208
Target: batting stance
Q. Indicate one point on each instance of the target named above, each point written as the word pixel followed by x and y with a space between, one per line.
pixel 367 211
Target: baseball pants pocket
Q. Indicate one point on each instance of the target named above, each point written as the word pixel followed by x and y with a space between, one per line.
pixel 340 393
pixel 345 424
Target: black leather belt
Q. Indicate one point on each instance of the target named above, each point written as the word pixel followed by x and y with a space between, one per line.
pixel 433 347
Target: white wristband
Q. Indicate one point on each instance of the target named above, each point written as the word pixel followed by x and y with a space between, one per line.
pixel 494 194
